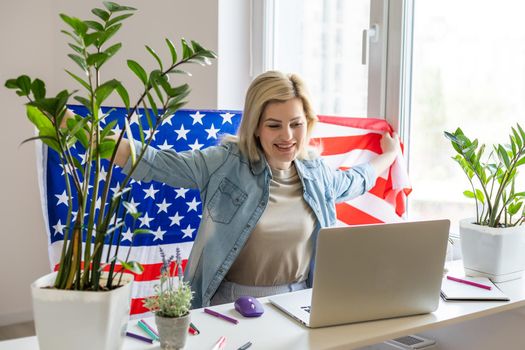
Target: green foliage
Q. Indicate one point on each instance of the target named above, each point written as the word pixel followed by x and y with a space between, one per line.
pixel 492 178
pixel 170 300
pixel 91 50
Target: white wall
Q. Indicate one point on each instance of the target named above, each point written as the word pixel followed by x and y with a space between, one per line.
pixel 31 43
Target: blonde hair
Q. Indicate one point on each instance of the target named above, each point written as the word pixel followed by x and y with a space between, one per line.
pixel 269 87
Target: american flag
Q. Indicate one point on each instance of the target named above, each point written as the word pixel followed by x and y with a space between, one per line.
pixel 173 214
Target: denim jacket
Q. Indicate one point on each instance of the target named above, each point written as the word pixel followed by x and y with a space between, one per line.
pixel 234 192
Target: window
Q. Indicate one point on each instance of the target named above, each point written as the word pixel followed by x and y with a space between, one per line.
pixel 323 41
pixel 467 72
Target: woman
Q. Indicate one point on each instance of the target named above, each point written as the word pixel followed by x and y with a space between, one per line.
pixel 265 195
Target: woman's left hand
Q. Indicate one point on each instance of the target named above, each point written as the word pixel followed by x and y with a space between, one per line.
pixel 390 144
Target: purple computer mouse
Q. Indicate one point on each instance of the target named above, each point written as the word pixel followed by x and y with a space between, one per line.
pixel 249 306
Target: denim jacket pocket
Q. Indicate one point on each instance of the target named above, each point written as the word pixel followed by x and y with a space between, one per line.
pixel 226 201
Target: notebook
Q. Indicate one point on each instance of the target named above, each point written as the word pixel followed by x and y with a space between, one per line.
pixel 371 272
pixel 451 290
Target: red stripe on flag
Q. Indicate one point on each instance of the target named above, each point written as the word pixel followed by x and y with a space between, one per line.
pixel 151 271
pixel 353 216
pixel 137 306
pixel 343 144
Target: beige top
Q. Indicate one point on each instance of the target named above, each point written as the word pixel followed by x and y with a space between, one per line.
pixel 280 247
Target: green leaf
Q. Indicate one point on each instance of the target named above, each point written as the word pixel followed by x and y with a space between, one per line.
pixel 100 13
pixel 503 156
pixel 79 80
pixel 112 50
pixel 50 141
pixel 114 7
pixel 141 231
pixel 38 88
pixel 107 129
pixel 11 84
pixel 106 148
pixel 95 25
pixel 133 266
pixel 118 19
pixel 468 194
pixel 72 36
pixel 139 71
pixel 79 27
pixel 39 119
pixel 79 60
pixel 154 54
pixel 123 93
pixel 91 38
pixel 152 103
pixel 480 196
pixel 96 59
pixel 104 90
pixel 76 127
pixel 108 33
pixel 76 48
pixel 172 51
pixel 85 102
pixel 517 138
pixel 186 50
pixel 24 84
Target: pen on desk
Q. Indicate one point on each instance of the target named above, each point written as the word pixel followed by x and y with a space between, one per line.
pixel 149 327
pixel 139 337
pixel 147 330
pixel 219 315
pixel 220 344
pixel 192 331
pixel 195 328
pixel 245 346
pixel 470 283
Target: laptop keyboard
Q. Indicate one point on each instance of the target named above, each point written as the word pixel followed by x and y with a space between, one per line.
pixel 306 308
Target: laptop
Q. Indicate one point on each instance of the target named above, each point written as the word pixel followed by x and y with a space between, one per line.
pixel 372 272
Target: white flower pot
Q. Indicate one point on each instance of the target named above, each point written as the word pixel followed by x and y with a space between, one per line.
pixel 496 253
pixel 80 320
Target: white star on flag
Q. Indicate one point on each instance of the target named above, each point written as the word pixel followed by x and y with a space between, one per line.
pixel 197 118
pixel 212 132
pixel 127 235
pixel 150 192
pixel 144 221
pixel 193 204
pixel 102 174
pixel 163 206
pixel 175 219
pixel 117 130
pixel 116 188
pixel 159 234
pixel 227 117
pixel 167 120
pixel 165 146
pixel 188 232
pixel 134 119
pixel 147 133
pixel 82 158
pixel 134 204
pixel 59 228
pixel 196 145
pixel 62 198
pixel 181 133
pixel 181 192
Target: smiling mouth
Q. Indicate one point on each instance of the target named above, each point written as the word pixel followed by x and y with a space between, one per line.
pixel 285 148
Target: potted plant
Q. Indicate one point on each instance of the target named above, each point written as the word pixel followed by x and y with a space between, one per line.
pixel 171 304
pixel 85 303
pixel 493 243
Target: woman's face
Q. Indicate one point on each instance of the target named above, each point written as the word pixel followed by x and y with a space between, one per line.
pixel 282 132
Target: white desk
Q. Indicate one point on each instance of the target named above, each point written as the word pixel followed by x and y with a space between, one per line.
pixel 455 325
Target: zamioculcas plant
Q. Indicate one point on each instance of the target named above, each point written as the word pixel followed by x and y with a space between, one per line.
pixel 81 265
pixel 492 177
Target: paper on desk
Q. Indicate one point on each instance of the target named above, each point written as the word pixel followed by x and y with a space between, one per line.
pixel 451 290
